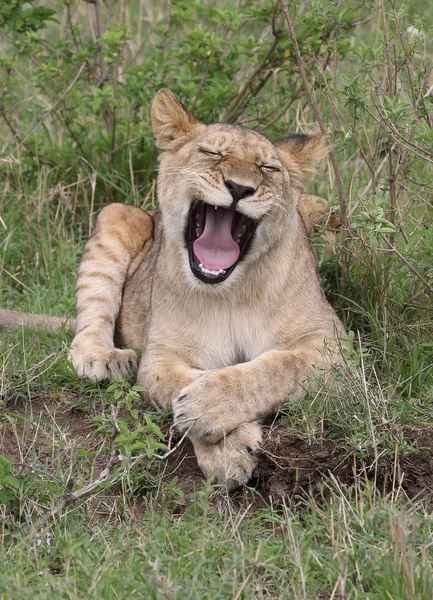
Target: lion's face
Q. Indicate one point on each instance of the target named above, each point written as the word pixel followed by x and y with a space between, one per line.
pixel 217 192
pixel 226 193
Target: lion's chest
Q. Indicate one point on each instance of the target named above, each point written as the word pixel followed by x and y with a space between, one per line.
pixel 225 335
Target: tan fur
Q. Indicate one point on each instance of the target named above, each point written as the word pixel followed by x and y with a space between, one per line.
pixel 314 212
pixel 222 355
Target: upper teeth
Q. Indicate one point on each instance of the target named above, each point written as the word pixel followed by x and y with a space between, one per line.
pixel 209 271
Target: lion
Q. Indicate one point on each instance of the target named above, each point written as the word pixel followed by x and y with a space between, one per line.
pixel 218 288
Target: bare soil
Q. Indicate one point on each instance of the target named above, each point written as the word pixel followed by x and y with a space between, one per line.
pixel 36 421
pixel 290 467
pixel 287 466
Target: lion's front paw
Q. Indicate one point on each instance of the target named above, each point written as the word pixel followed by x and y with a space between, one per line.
pixel 98 362
pixel 203 409
pixel 232 460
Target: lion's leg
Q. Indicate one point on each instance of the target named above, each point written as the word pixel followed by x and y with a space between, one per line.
pixel 232 460
pixel 163 374
pixel 122 234
pixel 219 401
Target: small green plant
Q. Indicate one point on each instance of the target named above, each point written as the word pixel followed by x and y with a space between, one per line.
pixel 8 483
pixel 134 435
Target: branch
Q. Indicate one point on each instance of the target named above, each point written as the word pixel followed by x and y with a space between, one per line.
pixel 170 451
pixel 228 115
pixel 311 95
pixel 22 142
pixel 68 497
pixel 411 268
pixel 65 93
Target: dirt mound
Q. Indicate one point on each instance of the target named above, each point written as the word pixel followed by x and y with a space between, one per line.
pixel 288 466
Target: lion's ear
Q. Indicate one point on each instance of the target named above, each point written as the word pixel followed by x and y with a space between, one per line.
pixel 171 121
pixel 298 152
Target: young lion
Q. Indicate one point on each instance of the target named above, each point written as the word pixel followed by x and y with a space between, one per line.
pixel 219 289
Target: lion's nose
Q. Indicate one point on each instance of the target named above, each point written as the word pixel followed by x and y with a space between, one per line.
pixel 238 191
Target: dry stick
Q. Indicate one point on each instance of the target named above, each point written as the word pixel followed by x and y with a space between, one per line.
pixel 390 86
pixel 99 34
pixel 388 53
pixel 69 497
pixel 318 116
pixel 42 362
pixel 411 268
pixel 170 451
pixel 245 87
pixel 65 93
pixel 76 38
pixel 368 186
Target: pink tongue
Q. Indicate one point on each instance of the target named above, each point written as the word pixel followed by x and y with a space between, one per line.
pixel 215 248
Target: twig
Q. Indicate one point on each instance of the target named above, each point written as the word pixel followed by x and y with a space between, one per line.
pixel 368 186
pixel 396 134
pixel 419 306
pixel 76 39
pixel 44 161
pixel 99 34
pixel 228 116
pixel 282 112
pixel 411 268
pixel 179 443
pixel 42 362
pixel 69 497
pixel 114 413
pixel 312 98
pixel 65 93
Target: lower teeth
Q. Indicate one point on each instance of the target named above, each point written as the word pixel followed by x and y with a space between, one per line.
pixel 209 271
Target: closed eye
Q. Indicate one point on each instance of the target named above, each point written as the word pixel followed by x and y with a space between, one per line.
pixel 271 168
pixel 209 152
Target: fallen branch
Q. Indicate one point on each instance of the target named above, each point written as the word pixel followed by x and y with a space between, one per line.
pixel 42 362
pixel 69 497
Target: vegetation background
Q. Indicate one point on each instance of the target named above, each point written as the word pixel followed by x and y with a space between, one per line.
pixel 77 78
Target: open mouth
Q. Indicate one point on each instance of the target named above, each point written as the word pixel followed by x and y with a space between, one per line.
pixel 217 239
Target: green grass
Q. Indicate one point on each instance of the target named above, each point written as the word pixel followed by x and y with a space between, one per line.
pixel 364 531
pixel 353 544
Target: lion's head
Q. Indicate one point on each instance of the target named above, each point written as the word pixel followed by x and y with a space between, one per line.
pixel 226 193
